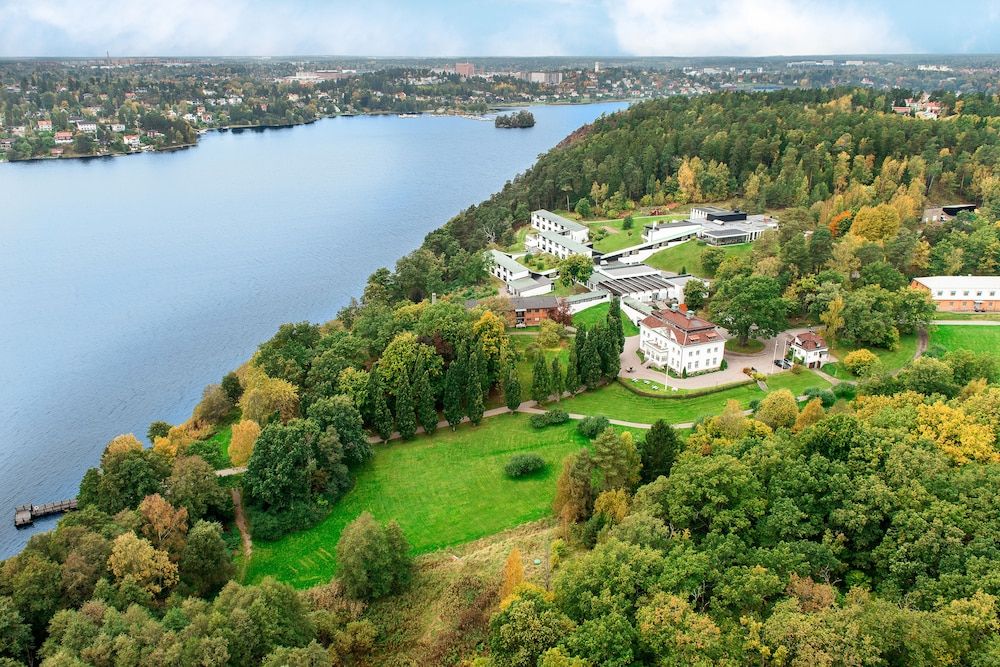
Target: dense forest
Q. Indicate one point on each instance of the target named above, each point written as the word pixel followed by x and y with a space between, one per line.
pixel 860 528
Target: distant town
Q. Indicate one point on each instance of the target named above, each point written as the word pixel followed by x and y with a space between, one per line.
pixel 110 106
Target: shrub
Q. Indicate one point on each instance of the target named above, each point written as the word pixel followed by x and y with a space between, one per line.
pixel 845 390
pixel 724 365
pixel 826 397
pixel 210 451
pixel 592 426
pixel 797 369
pixel 861 362
pixel 550 418
pixel 273 524
pixel 523 464
pixel 753 405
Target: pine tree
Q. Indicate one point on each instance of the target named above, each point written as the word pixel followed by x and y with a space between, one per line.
pixel 614 320
pixel 658 451
pixel 579 346
pixel 590 361
pixel 474 406
pixel 540 385
pixel 406 418
pixel 617 460
pixel 381 417
pixel 454 385
pixel 511 389
pixel 423 393
pixel 557 379
pixel 513 574
pixel 572 379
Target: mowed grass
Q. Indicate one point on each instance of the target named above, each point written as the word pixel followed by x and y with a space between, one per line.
pixel 891 359
pixel 599 313
pixel 621 237
pixel 944 315
pixel 444 490
pixel 983 338
pixel 526 367
pixel 687 256
pixel 618 402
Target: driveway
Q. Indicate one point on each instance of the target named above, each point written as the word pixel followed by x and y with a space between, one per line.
pixel 763 361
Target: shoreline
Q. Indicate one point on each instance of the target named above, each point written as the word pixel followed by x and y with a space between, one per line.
pixel 281 126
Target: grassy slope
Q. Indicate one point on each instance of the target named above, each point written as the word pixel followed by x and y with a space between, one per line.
pixel 688 256
pixel 967 337
pixel 444 490
pixel 591 316
pixel 891 359
pixel 618 402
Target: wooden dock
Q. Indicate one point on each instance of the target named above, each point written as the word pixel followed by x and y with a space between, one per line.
pixel 25 515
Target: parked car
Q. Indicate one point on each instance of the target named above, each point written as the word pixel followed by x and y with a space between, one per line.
pixel 782 363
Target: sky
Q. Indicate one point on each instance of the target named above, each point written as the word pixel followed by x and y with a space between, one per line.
pixel 496 27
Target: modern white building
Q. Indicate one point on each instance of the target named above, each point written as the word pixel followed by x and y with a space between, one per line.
pixel 666 232
pixel 809 349
pixel 978 294
pixel 519 279
pixel 721 226
pixel 562 246
pixel 681 342
pixel 546 221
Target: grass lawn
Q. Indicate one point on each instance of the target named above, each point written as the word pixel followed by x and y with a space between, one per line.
pixel 525 366
pixel 518 245
pixel 967 337
pixel 752 347
pixel 891 359
pixel 618 402
pixel 558 289
pixel 687 256
pixel 591 316
pixel 444 490
pixel 993 317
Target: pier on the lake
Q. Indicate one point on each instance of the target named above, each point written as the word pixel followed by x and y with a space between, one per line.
pixel 25 515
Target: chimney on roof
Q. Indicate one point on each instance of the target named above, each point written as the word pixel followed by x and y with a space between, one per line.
pixel 673 307
pixel 689 314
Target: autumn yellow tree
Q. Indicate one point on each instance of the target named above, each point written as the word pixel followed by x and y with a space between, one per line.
pixel 175 441
pixel 811 413
pixel 612 505
pixel 779 409
pixel 245 434
pixel 513 574
pixel 833 318
pixel 876 223
pixel 136 558
pixel 120 444
pixel 163 525
pixel 957 436
pixel 265 395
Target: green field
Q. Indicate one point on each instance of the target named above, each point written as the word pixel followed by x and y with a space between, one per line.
pixel 688 256
pixel 624 238
pixel 599 313
pixel 990 317
pixel 983 338
pixel 891 359
pixel 618 402
pixel 444 490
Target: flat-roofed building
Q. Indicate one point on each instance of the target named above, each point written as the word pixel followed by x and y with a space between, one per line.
pixel 681 342
pixel 505 267
pixel 560 245
pixel 976 294
pixel 547 221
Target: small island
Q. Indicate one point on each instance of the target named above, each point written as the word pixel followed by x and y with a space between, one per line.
pixel 519 119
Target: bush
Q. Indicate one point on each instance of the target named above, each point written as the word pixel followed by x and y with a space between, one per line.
pixel 861 362
pixel 523 464
pixel 797 369
pixel 724 365
pixel 210 451
pixel 845 390
pixel 826 397
pixel 753 405
pixel 273 524
pixel 550 418
pixel 592 426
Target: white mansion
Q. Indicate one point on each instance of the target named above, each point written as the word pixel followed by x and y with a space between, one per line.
pixel 681 342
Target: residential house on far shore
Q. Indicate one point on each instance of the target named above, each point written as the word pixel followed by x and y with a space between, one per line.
pixel 680 341
pixel 946 212
pixel 45 125
pixel 519 279
pixel 88 126
pixel 63 137
pixel 132 140
pixel 809 349
pixel 976 294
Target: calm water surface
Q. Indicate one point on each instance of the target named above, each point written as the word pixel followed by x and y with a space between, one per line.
pixel 128 284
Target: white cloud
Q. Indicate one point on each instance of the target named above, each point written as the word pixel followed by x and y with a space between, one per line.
pixel 220 27
pixel 750 28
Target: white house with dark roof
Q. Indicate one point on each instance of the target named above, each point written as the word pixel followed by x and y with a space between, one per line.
pixel 560 245
pixel 519 279
pixel 547 221
pixel 809 349
pixel 681 342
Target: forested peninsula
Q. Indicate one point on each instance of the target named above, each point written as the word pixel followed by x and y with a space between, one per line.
pixel 858 528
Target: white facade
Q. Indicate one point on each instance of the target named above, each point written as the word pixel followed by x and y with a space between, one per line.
pixel 664 342
pixel 557 244
pixel 543 220
pixel 809 349
pixel 506 268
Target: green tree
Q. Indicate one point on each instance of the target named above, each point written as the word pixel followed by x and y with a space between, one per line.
pixel 340 413
pixel 582 207
pixel 658 451
pixel 426 403
pixel 205 564
pixel 511 389
pixel 380 415
pixel 279 470
pixel 572 382
pixel 557 379
pixel 193 485
pixel 15 634
pixel 711 259
pixel 617 460
pixel 406 418
pixel 158 429
pixel 231 385
pixel 575 268
pixel 695 294
pixel 454 391
pixel 527 627
pixel 779 409
pixel 750 304
pixel 541 387
pixel 373 559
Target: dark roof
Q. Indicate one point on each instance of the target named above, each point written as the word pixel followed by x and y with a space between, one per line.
pixel 523 302
pixel 724 232
pixel 630 285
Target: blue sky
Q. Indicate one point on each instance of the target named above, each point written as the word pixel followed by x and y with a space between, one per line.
pixel 496 27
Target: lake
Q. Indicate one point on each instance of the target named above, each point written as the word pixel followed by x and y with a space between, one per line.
pixel 128 284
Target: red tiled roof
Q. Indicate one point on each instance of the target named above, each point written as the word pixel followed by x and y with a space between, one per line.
pixel 810 341
pixel 686 330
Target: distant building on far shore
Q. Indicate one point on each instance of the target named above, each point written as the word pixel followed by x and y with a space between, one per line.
pixel 465 69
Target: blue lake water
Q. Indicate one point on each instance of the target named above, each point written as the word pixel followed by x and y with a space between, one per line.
pixel 128 284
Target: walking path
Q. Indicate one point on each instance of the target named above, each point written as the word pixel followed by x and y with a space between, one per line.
pixel 241 522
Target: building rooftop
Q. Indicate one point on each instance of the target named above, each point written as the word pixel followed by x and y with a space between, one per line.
pixel 523 302
pixel 633 285
pixel 560 220
pixel 528 283
pixel 575 247
pixel 809 340
pixel 959 282
pixel 686 328
pixel 506 261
